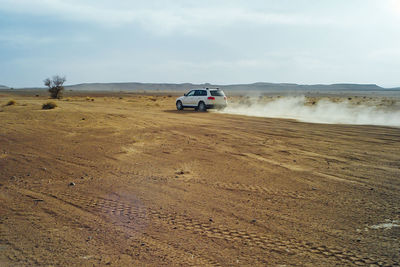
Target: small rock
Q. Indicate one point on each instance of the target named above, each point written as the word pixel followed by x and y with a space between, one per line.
pixel 313 188
pixel 28 174
pixel 71 184
pixel 253 221
pixel 45 169
pixel 83 119
pixel 211 220
pixel 13 177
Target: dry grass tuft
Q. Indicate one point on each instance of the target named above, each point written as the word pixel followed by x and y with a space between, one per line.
pixel 49 105
pixel 12 102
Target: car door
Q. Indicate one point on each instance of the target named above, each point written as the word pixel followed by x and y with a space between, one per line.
pixel 188 100
pixel 197 97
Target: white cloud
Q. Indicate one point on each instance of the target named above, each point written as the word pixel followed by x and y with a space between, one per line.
pixel 163 19
pixel 23 39
pixel 224 41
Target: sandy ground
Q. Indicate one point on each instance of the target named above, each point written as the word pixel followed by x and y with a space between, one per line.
pixel 131 181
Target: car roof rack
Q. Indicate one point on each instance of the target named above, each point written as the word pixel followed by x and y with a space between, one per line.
pixel 208 88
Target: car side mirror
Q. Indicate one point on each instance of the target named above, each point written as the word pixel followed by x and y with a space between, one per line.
pixel 185 95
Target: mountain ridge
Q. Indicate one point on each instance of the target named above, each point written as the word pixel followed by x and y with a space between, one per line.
pixel 258 86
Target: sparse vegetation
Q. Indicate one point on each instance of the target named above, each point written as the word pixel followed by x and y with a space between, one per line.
pixel 49 105
pixel 55 86
pixel 12 102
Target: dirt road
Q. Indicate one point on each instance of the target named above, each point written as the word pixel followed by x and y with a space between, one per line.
pixel 132 181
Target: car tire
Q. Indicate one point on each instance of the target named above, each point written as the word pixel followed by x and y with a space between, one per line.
pixel 179 105
pixel 201 106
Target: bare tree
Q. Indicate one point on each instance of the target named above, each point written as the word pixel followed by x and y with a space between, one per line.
pixel 55 86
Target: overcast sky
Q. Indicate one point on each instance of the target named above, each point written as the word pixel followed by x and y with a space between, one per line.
pixel 215 41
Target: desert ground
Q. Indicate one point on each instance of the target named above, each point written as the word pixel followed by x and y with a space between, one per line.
pixel 127 180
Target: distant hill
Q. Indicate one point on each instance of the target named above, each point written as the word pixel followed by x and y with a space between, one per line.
pixel 260 86
pixel 3 87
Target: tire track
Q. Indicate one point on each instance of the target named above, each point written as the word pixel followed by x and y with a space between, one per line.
pixel 126 212
pixel 127 169
pixel 244 187
pixel 279 246
pixel 122 214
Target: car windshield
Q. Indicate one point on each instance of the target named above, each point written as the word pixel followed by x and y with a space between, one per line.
pixel 217 93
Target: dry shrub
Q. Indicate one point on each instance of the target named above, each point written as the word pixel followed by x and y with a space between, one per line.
pixel 49 105
pixel 11 102
pixel 55 86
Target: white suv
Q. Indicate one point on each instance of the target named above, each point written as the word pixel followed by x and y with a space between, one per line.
pixel 202 99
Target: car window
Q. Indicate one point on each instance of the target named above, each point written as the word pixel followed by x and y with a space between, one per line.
pixel 191 93
pixel 200 93
pixel 217 93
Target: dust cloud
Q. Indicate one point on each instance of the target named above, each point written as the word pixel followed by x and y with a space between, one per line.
pixel 321 111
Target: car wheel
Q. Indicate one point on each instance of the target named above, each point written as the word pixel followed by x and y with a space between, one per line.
pixel 202 106
pixel 179 105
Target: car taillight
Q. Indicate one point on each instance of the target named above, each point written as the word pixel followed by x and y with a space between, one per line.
pixel 211 98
